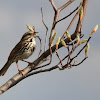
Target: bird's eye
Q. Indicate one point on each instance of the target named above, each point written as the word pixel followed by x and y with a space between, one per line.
pixel 30 40
pixel 29 34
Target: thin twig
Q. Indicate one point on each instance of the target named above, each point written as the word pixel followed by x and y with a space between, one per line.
pixel 69 55
pixel 66 56
pixel 59 58
pixel 70 24
pixel 68 15
pixel 49 62
pixel 82 48
pixel 46 30
pixel 45 64
pixel 41 70
pixel 40 46
pixel 80 62
pixel 65 5
pixel 46 37
pixel 74 42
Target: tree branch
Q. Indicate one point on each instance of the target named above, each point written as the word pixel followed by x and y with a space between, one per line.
pixel 26 72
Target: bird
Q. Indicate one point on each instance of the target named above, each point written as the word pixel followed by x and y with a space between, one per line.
pixel 23 50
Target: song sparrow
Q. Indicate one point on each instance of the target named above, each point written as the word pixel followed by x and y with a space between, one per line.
pixel 22 50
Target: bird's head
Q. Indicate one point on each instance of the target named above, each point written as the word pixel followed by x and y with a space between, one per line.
pixel 29 35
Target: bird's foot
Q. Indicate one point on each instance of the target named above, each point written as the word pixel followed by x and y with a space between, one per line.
pixel 21 72
pixel 31 64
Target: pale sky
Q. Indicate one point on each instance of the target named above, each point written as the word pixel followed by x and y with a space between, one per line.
pixel 78 83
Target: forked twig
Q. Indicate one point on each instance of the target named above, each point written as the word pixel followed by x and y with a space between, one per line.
pixel 56 16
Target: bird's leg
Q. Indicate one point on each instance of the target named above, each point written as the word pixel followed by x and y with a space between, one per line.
pixel 20 71
pixel 29 63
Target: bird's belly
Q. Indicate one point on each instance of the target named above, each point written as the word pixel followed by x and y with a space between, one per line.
pixel 28 51
pixel 27 54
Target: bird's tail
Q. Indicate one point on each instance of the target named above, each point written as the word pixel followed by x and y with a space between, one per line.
pixel 5 68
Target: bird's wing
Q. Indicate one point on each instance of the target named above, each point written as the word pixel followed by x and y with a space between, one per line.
pixel 17 50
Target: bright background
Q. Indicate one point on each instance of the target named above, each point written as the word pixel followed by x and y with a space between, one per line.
pixel 78 83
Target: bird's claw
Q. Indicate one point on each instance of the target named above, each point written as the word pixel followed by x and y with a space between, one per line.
pixel 31 64
pixel 21 72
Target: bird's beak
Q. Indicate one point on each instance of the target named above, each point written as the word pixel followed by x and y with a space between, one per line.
pixel 36 32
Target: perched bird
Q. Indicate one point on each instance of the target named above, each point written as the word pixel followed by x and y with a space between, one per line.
pixel 21 51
